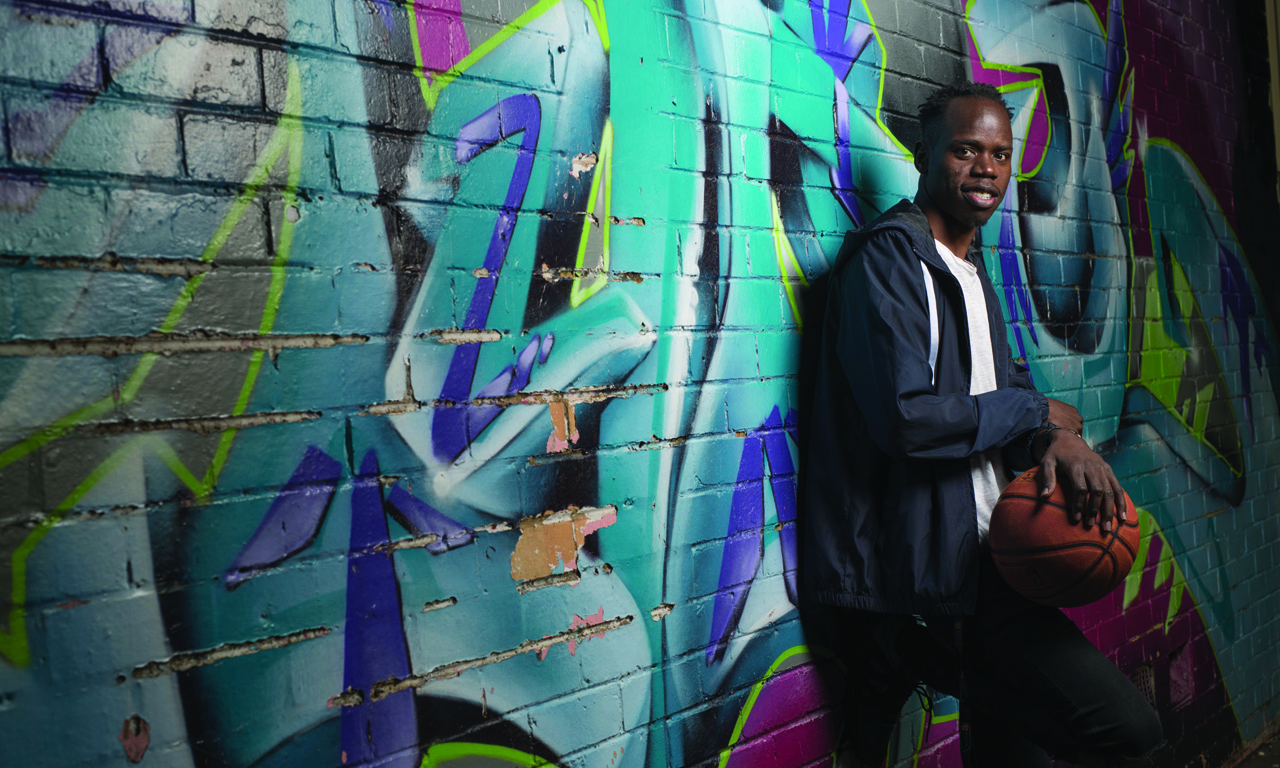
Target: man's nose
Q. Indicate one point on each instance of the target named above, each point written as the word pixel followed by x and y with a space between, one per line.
pixel 985 166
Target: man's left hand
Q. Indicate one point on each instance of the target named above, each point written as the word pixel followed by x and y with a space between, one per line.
pixel 1093 493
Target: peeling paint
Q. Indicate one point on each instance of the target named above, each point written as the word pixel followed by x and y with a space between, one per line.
pixel 551 540
pixel 594 620
pixel 564 427
pixel 110 262
pixel 635 221
pixel 658 443
pixel 385 688
pixel 206 426
pixel 173 343
pixel 135 735
pixel 415 542
pixel 582 163
pixel 570 578
pixel 661 612
pixel 181 662
pixel 436 605
pixel 460 336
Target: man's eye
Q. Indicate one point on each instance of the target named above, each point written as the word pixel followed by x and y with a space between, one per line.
pixel 1002 156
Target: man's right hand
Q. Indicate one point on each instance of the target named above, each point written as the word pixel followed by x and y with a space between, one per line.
pixel 1066 416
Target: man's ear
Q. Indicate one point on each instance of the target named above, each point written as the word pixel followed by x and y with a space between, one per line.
pixel 920 157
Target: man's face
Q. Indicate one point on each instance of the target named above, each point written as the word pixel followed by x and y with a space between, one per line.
pixel 965 172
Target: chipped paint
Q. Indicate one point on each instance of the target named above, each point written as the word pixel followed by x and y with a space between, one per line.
pixel 550 541
pixel 436 605
pixel 174 344
pixel 460 336
pixel 135 735
pixel 570 578
pixel 181 662
pixel 582 163
pixel 661 612
pixel 385 688
pixel 564 426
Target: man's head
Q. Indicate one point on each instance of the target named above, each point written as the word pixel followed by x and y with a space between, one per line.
pixel 965 157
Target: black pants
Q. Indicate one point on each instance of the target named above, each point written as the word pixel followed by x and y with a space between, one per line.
pixel 1032 686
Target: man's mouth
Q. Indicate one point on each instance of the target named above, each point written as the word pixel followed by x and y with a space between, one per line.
pixel 982 197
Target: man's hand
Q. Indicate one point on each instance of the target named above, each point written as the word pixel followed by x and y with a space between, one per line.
pixel 1063 415
pixel 1090 485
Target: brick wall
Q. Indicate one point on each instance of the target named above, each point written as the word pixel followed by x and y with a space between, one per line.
pixel 414 383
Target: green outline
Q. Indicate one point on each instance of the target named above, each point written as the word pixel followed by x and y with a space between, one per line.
pixel 782 249
pixel 431 89
pixel 727 752
pixel 884 58
pixel 1037 82
pixel 604 169
pixel 439 754
pixel 13 642
pixel 1156 321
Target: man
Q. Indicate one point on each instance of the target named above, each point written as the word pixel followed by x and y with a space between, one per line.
pixel 919 412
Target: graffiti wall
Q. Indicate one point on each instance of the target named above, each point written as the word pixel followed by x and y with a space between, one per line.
pixel 414 382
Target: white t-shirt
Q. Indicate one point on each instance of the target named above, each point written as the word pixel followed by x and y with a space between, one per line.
pixel 987 468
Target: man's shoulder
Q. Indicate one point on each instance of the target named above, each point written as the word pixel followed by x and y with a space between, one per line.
pixel 893 234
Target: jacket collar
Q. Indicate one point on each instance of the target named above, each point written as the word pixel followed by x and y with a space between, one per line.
pixel 910 219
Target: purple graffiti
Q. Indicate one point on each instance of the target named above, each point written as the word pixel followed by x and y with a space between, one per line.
pixel 35 134
pixel 792 718
pixel 421 519
pixel 442 38
pixel 1037 141
pixel 292 521
pixel 743 546
pixel 1238 304
pixel 453 429
pixel 1015 290
pixel 840 48
pixel 385 10
pixel 1119 117
pixel 744 539
pixel 375 648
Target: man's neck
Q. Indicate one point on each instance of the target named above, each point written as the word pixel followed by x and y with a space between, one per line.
pixel 955 235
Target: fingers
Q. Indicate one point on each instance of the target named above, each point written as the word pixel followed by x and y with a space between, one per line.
pixel 1121 511
pixel 1078 498
pixel 1048 478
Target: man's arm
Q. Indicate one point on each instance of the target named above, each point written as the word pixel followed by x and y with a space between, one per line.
pixel 883 343
pixel 1090 485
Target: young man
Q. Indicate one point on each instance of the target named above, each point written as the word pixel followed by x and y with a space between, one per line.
pixel 919 413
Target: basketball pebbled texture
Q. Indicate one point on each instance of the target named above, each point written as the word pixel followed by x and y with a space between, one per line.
pixel 1046 558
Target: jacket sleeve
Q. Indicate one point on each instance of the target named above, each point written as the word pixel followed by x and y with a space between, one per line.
pixel 882 318
pixel 1017 452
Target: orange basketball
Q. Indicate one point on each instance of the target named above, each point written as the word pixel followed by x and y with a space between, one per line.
pixel 1042 555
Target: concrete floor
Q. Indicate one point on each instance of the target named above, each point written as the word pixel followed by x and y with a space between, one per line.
pixel 1266 756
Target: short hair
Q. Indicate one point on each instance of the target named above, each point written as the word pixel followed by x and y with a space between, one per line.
pixel 934 109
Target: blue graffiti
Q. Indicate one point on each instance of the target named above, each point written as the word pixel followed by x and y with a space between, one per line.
pixel 292 521
pixel 375 645
pixel 453 429
pixel 744 540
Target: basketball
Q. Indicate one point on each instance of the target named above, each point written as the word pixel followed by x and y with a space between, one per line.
pixel 1046 558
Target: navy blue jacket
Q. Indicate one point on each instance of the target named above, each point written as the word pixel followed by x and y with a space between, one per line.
pixel 889 523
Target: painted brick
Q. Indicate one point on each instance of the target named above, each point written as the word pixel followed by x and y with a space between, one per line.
pixel 227 150
pixel 313 23
pixel 182 67
pixel 67 50
pixel 713 114
pixel 109 137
